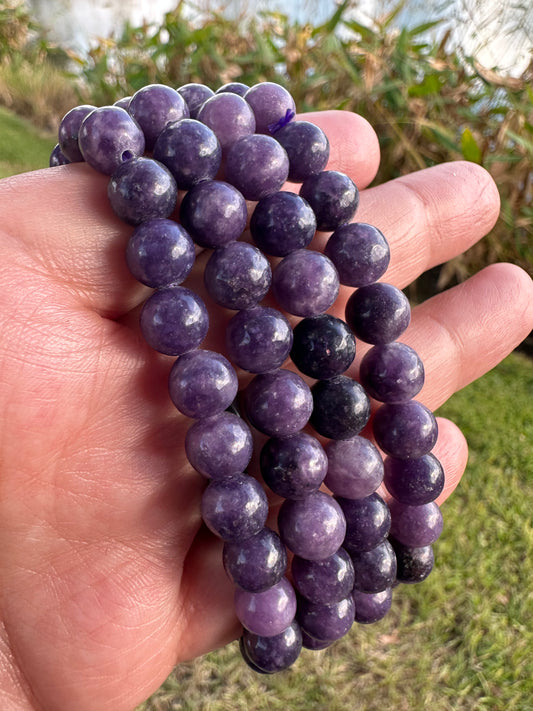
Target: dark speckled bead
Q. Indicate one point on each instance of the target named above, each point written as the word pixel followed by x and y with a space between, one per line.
pixel 256 563
pixel 341 407
pixel 307 147
pixel 269 655
pixel 325 581
pixel 333 196
pixel 326 622
pixel 69 129
pixel 378 313
pixel 108 136
pixel 371 607
pixel 195 95
pixel 406 430
pixel 375 570
pixel 414 564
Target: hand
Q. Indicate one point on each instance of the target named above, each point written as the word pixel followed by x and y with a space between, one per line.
pixel 107 577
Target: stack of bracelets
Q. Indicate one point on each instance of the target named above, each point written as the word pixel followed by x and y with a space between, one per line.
pixel 348 546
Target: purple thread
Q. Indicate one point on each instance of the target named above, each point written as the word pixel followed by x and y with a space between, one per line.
pixel 289 115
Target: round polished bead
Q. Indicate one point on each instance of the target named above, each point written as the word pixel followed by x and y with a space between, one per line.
pixel 360 253
pixel 266 613
pixel 190 150
pixel 142 189
pixel 368 522
pixel 375 570
pixel 153 107
pixel 256 165
pixel 195 95
pixel 57 157
pixel 392 372
pixel 341 407
pixel 305 283
pixel 281 223
pixel 229 116
pixel 123 102
pixel 293 466
pixel 326 622
pixel 237 275
pixel 174 320
pixel 333 196
pixel 214 213
pixel 323 346
pixel 233 87
pixel 415 526
pixel 160 252
pixel 258 339
pixel 355 467
pixel 270 655
pixel 313 527
pixel 270 103
pixel 371 607
pixel 414 564
pixel 108 137
pixel 324 581
pixel 235 507
pixel 278 403
pixel 406 430
pixel 414 481
pixel 219 446
pixel 315 644
pixel 378 313
pixel 307 147
pixel 202 383
pixel 68 132
pixel 256 563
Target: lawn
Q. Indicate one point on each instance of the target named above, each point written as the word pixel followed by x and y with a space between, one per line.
pixel 22 146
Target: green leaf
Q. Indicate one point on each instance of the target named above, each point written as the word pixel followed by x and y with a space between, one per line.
pixel 470 149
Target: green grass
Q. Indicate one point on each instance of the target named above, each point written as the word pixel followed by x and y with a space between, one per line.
pixel 22 147
pixel 460 641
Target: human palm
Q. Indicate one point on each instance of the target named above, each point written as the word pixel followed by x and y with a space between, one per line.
pixel 107 578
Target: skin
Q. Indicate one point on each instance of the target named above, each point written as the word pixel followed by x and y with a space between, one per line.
pixel 107 578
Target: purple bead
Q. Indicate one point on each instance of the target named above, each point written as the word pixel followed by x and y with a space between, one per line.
pixel 326 622
pixel 414 564
pixel 360 253
pixel 375 570
pixel 415 526
pixel 270 103
pixel 378 313
pixel 368 522
pixel 270 655
pixel 341 408
pixel 195 95
pixel 281 223
pixel 256 563
pixel 266 613
pixel 219 446
pixel 190 151
pixel 153 107
pixel 68 132
pixel 392 372
pixel 233 87
pixel 406 430
pixel 229 117
pixel 142 189
pixel 371 607
pixel 258 339
pixel 324 581
pixel 333 196
pixel 355 467
pixel 414 481
pixel 294 466
pixel 214 213
pixel 313 527
pixel 278 403
pixel 174 320
pixel 237 275
pixel 108 137
pixel 307 147
pixel 315 644
pixel 57 157
pixel 202 383
pixel 256 165
pixel 123 102
pixel 323 346
pixel 160 252
pixel 305 283
pixel 235 507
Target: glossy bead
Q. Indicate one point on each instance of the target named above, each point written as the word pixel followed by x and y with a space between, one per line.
pixel 326 622
pixel 108 137
pixel 355 467
pixel 258 339
pixel 341 407
pixel 153 107
pixel 219 446
pixel 281 223
pixel 256 165
pixel 368 522
pixel 293 466
pixel 57 157
pixel 272 654
pixel 235 507
pixel 359 252
pixel 68 132
pixel 333 196
pixel 392 372
pixel 256 563
pixel 270 103
pixel 371 607
pixel 415 526
pixel 375 570
pixel 266 613
pixel 378 313
pixel 305 283
pixel 324 581
pixel 307 147
pixel 414 564
pixel 406 430
pixel 323 346
pixel 414 481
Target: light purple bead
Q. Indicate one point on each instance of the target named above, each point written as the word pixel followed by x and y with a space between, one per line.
pixel 258 339
pixel 256 563
pixel 378 313
pixel 233 87
pixel 195 95
pixel 142 189
pixel 269 655
pixel 270 103
pixel 392 372
pixel 202 383
pixel 294 466
pixel 406 430
pixel 278 403
pixel 324 581
pixel 257 165
pixel 355 467
pixel 174 320
pixel 415 526
pixel 68 132
pixel 368 522
pixel 305 283
pixel 153 107
pixel 219 446
pixel 371 607
pixel 237 275
pixel 313 527
pixel 266 613
pixel 235 507
pixel 326 622
pixel 108 137
pixel 229 117
pixel 360 253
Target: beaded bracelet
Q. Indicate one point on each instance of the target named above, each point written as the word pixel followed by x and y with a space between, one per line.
pixel 348 546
